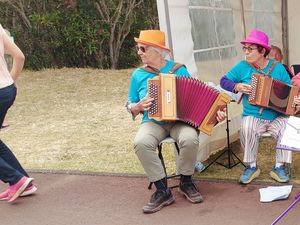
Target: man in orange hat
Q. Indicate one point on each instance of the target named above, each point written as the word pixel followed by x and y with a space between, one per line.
pixel 152 50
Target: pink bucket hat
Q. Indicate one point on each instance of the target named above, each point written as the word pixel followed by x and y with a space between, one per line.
pixel 257 37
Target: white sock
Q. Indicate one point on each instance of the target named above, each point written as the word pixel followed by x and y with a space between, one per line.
pixel 252 164
pixel 277 165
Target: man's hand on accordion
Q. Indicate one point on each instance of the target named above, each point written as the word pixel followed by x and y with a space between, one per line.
pixel 243 88
pixel 143 105
pixel 221 115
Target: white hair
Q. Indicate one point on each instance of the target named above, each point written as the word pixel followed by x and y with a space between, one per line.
pixel 164 53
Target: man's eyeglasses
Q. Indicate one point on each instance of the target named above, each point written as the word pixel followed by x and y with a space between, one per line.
pixel 250 49
pixel 142 48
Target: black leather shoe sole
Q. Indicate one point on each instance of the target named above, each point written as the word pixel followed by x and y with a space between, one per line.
pixel 192 199
pixel 150 208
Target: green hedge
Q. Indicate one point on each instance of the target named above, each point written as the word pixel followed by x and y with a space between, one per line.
pixel 61 36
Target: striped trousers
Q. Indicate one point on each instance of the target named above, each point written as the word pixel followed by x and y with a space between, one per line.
pixel 252 128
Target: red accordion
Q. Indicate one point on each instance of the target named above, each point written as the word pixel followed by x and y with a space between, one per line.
pixel 185 99
pixel 271 93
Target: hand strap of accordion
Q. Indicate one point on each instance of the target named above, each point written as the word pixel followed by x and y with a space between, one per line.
pixel 151 69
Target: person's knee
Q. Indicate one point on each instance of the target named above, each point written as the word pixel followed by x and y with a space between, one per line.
pixel 247 129
pixel 143 144
pixel 138 144
pixel 191 142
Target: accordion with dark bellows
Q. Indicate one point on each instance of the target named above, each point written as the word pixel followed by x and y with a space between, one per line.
pixel 186 99
pixel 272 93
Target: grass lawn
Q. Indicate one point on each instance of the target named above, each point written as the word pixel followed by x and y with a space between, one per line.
pixel 75 119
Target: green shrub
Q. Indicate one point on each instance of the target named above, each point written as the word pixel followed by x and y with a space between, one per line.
pixel 63 36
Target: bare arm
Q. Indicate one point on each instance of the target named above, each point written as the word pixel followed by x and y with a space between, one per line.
pixel 17 55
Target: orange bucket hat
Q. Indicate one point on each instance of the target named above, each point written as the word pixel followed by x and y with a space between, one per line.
pixel 154 38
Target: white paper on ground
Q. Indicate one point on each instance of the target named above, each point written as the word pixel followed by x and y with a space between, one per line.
pixel 273 193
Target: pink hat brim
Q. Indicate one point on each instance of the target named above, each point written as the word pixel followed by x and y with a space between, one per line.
pixel 255 41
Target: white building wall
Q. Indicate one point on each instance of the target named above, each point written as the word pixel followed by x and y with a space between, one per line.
pixel 178 27
pixel 180 31
pixel 294 31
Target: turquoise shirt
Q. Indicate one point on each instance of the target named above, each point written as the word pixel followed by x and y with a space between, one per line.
pixel 139 84
pixel 242 72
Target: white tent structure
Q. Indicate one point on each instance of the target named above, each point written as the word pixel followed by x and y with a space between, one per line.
pixel 205 35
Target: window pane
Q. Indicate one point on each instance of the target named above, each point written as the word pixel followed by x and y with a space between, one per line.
pixel 212 27
pixel 264 16
pixel 203 31
pixel 210 3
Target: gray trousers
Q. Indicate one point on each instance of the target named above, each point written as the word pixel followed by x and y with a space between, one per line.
pixel 151 134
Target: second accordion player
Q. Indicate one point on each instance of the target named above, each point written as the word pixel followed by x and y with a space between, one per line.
pixel 272 93
pixel 186 99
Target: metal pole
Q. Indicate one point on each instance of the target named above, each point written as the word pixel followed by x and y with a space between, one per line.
pixel 285 30
pixel 169 33
pixel 228 138
pixel 243 18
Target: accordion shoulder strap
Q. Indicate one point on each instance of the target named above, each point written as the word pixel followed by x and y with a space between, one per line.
pixel 176 66
pixel 271 67
pixel 151 69
pixel 269 71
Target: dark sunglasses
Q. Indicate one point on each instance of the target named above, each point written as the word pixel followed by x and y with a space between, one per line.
pixel 142 48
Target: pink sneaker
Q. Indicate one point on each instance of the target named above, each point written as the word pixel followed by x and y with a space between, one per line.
pixel 4 195
pixel 16 190
pixel 29 191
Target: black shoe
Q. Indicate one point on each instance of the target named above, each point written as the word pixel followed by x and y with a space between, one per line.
pixel 190 191
pixel 158 200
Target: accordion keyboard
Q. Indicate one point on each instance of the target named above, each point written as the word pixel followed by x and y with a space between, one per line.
pixel 254 84
pixel 259 90
pixel 154 92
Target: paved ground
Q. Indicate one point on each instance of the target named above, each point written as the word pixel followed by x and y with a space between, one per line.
pixel 65 199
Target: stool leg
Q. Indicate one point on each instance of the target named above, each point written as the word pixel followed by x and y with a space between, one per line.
pixel 160 156
pixel 177 148
pixel 177 158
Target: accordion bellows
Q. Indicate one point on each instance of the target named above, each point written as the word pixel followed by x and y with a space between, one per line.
pixel 272 93
pixel 186 99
